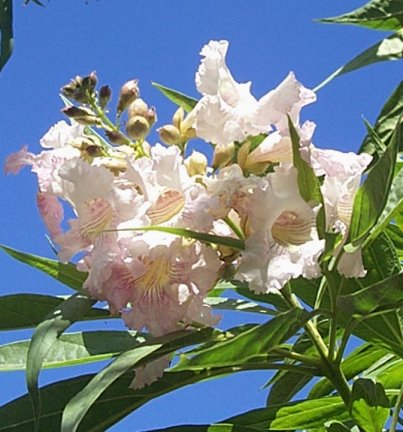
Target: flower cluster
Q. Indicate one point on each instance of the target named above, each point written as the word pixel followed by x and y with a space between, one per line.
pixel 120 189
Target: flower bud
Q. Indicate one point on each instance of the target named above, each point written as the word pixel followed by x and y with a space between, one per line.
pixel 89 146
pixel 178 117
pixel 115 165
pixel 105 94
pixel 82 116
pixel 137 107
pixel 116 137
pixel 137 127
pixel 89 82
pixel 73 90
pixel 223 155
pixel 196 164
pixel 151 116
pixel 128 93
pixel 170 134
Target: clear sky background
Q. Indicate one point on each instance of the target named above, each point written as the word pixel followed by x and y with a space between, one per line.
pixel 160 40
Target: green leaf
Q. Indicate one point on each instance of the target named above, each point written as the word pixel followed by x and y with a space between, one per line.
pixel 335 426
pixel 294 415
pixel 308 183
pixel 389 374
pixel 6 30
pixel 371 197
pixel 376 14
pixel 396 237
pixel 238 305
pixel 386 122
pixel 182 232
pixel 387 294
pixel 205 428
pixel 237 348
pixel 357 362
pixel 67 274
pixel 45 335
pixel 390 48
pixel 79 405
pixel 286 385
pixel 71 349
pixel 369 405
pixel 116 402
pixel 19 311
pixel 180 99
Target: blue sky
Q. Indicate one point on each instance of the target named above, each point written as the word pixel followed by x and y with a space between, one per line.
pixel 159 40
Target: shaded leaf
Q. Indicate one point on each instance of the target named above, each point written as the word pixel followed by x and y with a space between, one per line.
pixel 19 311
pixel 396 237
pixel 369 405
pixel 6 31
pixel 376 14
pixel 286 386
pixel 335 426
pixel 238 305
pixel 387 294
pixel 180 99
pixel 67 274
pixel 71 349
pixel 371 197
pixel 45 335
pixel 78 406
pixel 386 122
pixel 390 48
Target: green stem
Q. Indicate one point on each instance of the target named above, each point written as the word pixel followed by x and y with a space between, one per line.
pixel 234 227
pixel 346 336
pixel 395 417
pixel 297 356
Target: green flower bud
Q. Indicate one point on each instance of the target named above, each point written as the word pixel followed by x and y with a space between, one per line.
pixel 137 127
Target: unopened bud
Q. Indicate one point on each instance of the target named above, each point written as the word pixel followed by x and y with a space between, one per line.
pixel 223 155
pixel 196 164
pixel 137 107
pixel 116 165
pixel 89 146
pixel 105 94
pixel 89 82
pixel 137 127
pixel 116 137
pixel 178 117
pixel 170 135
pixel 82 116
pixel 128 93
pixel 73 90
pixel 151 116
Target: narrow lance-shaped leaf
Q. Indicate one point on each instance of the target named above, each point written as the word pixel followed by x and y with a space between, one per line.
pixel 386 122
pixel 376 14
pixel 45 336
pixel 180 99
pixel 241 347
pixel 390 48
pixel 371 197
pixel 6 31
pixel 71 349
pixel 67 274
pixel 369 405
pixel 77 407
pixel 308 183
pixel 20 311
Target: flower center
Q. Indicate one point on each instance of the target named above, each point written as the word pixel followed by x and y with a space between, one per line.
pixel 153 281
pixel 95 217
pixel 168 204
pixel 291 229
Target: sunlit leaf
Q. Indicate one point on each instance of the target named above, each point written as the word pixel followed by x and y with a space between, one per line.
pixel 390 48
pixel 376 14
pixel 369 405
pixel 71 349
pixel 238 305
pixel 237 348
pixel 19 311
pixel 67 274
pixel 180 99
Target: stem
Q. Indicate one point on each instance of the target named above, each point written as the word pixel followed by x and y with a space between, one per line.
pixel 234 227
pixel 297 356
pixel 395 417
pixel 346 336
